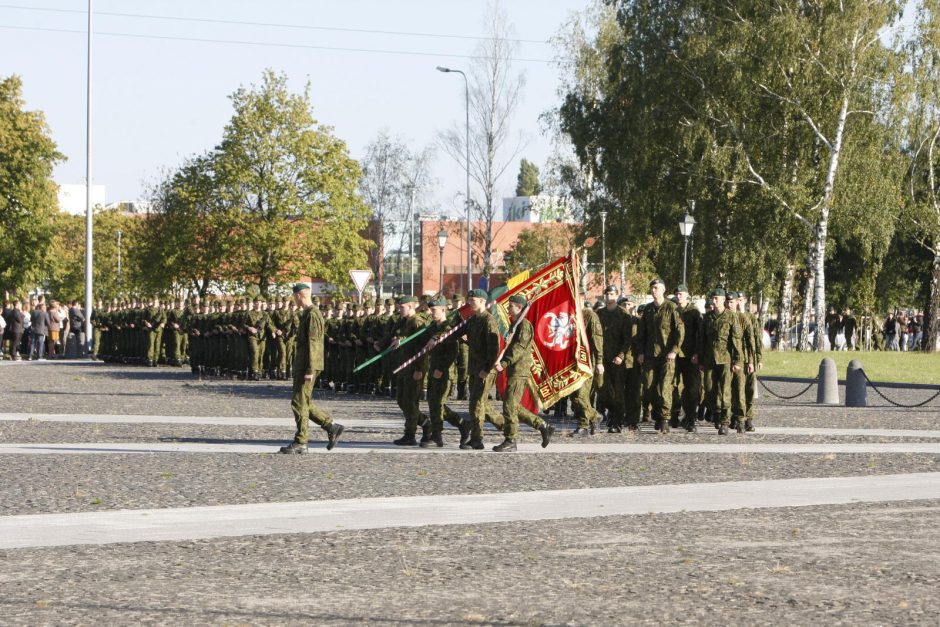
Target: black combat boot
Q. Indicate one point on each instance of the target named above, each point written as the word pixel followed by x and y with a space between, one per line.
pixel 506 446
pixel 426 431
pixel 749 425
pixel 674 421
pixel 464 429
pixel 474 445
pixel 462 392
pixel 436 439
pixel 581 432
pixel 294 448
pixel 723 430
pixel 546 430
pixel 334 431
pixel 739 426
pixel 406 440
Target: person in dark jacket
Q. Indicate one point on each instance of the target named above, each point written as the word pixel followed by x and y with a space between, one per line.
pixel 15 328
pixel 38 330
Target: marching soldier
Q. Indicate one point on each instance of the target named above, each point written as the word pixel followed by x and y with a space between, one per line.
pixel 462 353
pixel 617 345
pixel 516 361
pixel 755 363
pixel 659 340
pixel 633 372
pixel 581 399
pixel 721 351
pixel 308 361
pixel 441 371
pixel 482 338
pixel 410 378
pixel 687 371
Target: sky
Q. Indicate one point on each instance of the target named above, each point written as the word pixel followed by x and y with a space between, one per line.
pixel 157 101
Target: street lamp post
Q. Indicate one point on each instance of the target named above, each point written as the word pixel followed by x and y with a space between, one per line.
pixel 604 246
pixel 442 242
pixel 686 224
pixel 89 221
pixel 466 85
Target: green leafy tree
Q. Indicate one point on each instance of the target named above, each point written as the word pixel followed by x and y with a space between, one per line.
pixel 290 187
pixel 187 238
pixel 527 183
pixel 28 204
pixel 537 246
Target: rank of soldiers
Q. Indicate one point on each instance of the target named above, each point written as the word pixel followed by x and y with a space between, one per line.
pixel 663 361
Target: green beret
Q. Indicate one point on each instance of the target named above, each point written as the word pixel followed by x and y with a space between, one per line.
pixel 682 287
pixel 655 281
pixel 519 299
pixel 404 300
pixel 300 286
pixel 478 293
pixel 718 292
pixel 440 301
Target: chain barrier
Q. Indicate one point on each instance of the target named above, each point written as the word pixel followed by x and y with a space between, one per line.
pixel 788 398
pixel 896 404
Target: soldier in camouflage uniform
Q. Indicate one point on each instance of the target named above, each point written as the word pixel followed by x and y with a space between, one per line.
pixel 154 321
pixel 581 399
pixel 739 377
pixel 174 334
pixel 482 338
pixel 441 372
pixel 721 351
pixel 632 372
pixel 409 379
pixel 516 361
pixel 659 340
pixel 308 359
pixel 688 378
pixel 617 345
pixel 462 352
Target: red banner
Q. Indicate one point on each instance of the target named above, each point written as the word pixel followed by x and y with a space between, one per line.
pixel 561 357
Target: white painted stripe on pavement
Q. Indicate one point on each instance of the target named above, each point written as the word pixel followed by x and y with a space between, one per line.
pixel 396 423
pixel 351 446
pixel 199 523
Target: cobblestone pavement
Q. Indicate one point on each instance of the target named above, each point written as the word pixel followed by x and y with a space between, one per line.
pixel 867 563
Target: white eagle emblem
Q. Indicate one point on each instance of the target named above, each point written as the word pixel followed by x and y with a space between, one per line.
pixel 560 330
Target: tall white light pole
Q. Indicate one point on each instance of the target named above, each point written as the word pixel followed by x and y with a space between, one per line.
pixel 89 268
pixel 466 85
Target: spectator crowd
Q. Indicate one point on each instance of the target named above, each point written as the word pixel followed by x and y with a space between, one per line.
pixel 37 329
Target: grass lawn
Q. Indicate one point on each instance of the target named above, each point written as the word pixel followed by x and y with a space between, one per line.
pixel 880 366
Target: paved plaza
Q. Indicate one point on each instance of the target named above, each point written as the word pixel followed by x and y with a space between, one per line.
pixel 142 495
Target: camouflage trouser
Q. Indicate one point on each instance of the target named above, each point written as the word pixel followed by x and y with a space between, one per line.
pixel 610 394
pixel 255 353
pixel 658 380
pixel 514 412
pixel 437 410
pixel 750 387
pixel 738 394
pixel 480 407
pixel 409 398
pixel 719 392
pixel 688 378
pixel 633 395
pixel 581 404
pixel 153 344
pixel 304 409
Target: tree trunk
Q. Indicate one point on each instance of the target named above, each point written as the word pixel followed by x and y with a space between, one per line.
pixel 786 308
pixel 931 313
pixel 822 225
